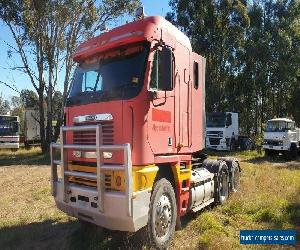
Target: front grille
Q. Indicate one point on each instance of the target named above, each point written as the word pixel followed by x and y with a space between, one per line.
pixel 108 179
pixel 273 142
pixel 214 141
pixel 89 137
pixel 214 133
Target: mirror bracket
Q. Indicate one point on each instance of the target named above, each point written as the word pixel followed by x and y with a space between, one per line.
pixel 152 94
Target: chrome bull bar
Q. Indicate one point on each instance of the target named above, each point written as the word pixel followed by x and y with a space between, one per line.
pixel 99 148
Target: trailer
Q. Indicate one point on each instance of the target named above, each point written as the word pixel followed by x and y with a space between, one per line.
pixel 222 132
pixel 131 148
pixel 281 136
pixel 32 127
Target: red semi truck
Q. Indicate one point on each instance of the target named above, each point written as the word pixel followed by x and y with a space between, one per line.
pixel 130 148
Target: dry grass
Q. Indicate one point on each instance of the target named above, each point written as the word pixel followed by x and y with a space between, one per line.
pixel 269 198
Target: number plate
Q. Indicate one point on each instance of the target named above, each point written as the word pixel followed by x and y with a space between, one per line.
pixel 270 146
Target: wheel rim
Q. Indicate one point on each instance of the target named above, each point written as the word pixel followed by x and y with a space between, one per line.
pixel 163 217
pixel 223 187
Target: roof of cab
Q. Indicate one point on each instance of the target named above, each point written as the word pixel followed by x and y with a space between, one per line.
pixel 138 30
pixel 280 120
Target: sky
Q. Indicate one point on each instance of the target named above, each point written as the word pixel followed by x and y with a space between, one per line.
pixel 20 80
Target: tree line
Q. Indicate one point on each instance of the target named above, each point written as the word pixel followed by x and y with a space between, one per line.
pixel 46 34
pixel 252 50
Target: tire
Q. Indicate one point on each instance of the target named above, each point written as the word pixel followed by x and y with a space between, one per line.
pixel 270 153
pixel 162 214
pixel 235 184
pixel 232 145
pixel 222 191
pixel 292 153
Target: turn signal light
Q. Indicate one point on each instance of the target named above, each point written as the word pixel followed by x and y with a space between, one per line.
pixel 118 181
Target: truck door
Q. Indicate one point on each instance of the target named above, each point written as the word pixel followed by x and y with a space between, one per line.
pixel 182 95
pixel 160 115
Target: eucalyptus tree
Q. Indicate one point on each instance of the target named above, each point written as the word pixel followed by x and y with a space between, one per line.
pixel 46 33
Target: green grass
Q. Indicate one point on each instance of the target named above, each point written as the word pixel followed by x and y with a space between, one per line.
pixel 269 198
pixel 33 156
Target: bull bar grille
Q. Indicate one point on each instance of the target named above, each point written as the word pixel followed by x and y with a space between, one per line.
pixel 101 167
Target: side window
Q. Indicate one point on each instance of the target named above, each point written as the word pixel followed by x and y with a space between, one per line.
pixel 156 71
pixel 196 75
pixel 228 120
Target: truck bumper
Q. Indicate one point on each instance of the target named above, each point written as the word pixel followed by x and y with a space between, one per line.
pixel 116 210
pixel 113 216
pixel 276 148
pixel 10 145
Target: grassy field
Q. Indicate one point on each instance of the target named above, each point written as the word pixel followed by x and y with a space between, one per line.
pixel 269 198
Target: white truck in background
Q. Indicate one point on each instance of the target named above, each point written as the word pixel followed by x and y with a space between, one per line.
pixel 32 128
pixel 222 132
pixel 281 136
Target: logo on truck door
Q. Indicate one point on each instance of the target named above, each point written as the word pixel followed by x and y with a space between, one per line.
pixel 159 115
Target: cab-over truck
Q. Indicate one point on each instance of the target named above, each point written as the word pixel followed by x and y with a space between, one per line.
pixel 282 136
pixel 130 148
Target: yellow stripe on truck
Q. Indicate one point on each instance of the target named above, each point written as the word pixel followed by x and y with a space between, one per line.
pixel 142 177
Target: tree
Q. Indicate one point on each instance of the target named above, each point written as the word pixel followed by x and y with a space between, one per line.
pixel 4 105
pixel 17 109
pixel 46 33
pixel 28 98
pixel 253 55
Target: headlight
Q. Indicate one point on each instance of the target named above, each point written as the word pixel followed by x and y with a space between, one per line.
pixel 280 143
pixel 265 142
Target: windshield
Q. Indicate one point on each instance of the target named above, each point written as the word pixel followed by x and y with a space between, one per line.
pixel 118 74
pixel 215 120
pixel 279 126
pixel 9 128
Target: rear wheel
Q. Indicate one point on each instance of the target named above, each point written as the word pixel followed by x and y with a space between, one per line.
pixel 223 187
pixel 162 214
pixel 236 174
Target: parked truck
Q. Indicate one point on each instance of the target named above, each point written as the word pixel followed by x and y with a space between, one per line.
pixel 9 132
pixel 131 147
pixel 32 127
pixel 281 136
pixel 222 132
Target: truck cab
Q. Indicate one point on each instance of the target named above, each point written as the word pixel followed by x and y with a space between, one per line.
pixel 281 136
pixel 222 130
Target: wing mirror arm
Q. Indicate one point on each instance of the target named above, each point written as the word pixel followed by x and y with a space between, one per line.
pixel 152 95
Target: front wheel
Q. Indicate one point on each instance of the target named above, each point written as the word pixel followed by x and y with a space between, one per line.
pixel 292 153
pixel 162 214
pixel 270 152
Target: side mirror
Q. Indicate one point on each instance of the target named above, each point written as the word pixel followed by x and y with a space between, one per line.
pixel 165 69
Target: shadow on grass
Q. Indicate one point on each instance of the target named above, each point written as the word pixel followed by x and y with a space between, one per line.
pixel 24 158
pixel 51 234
